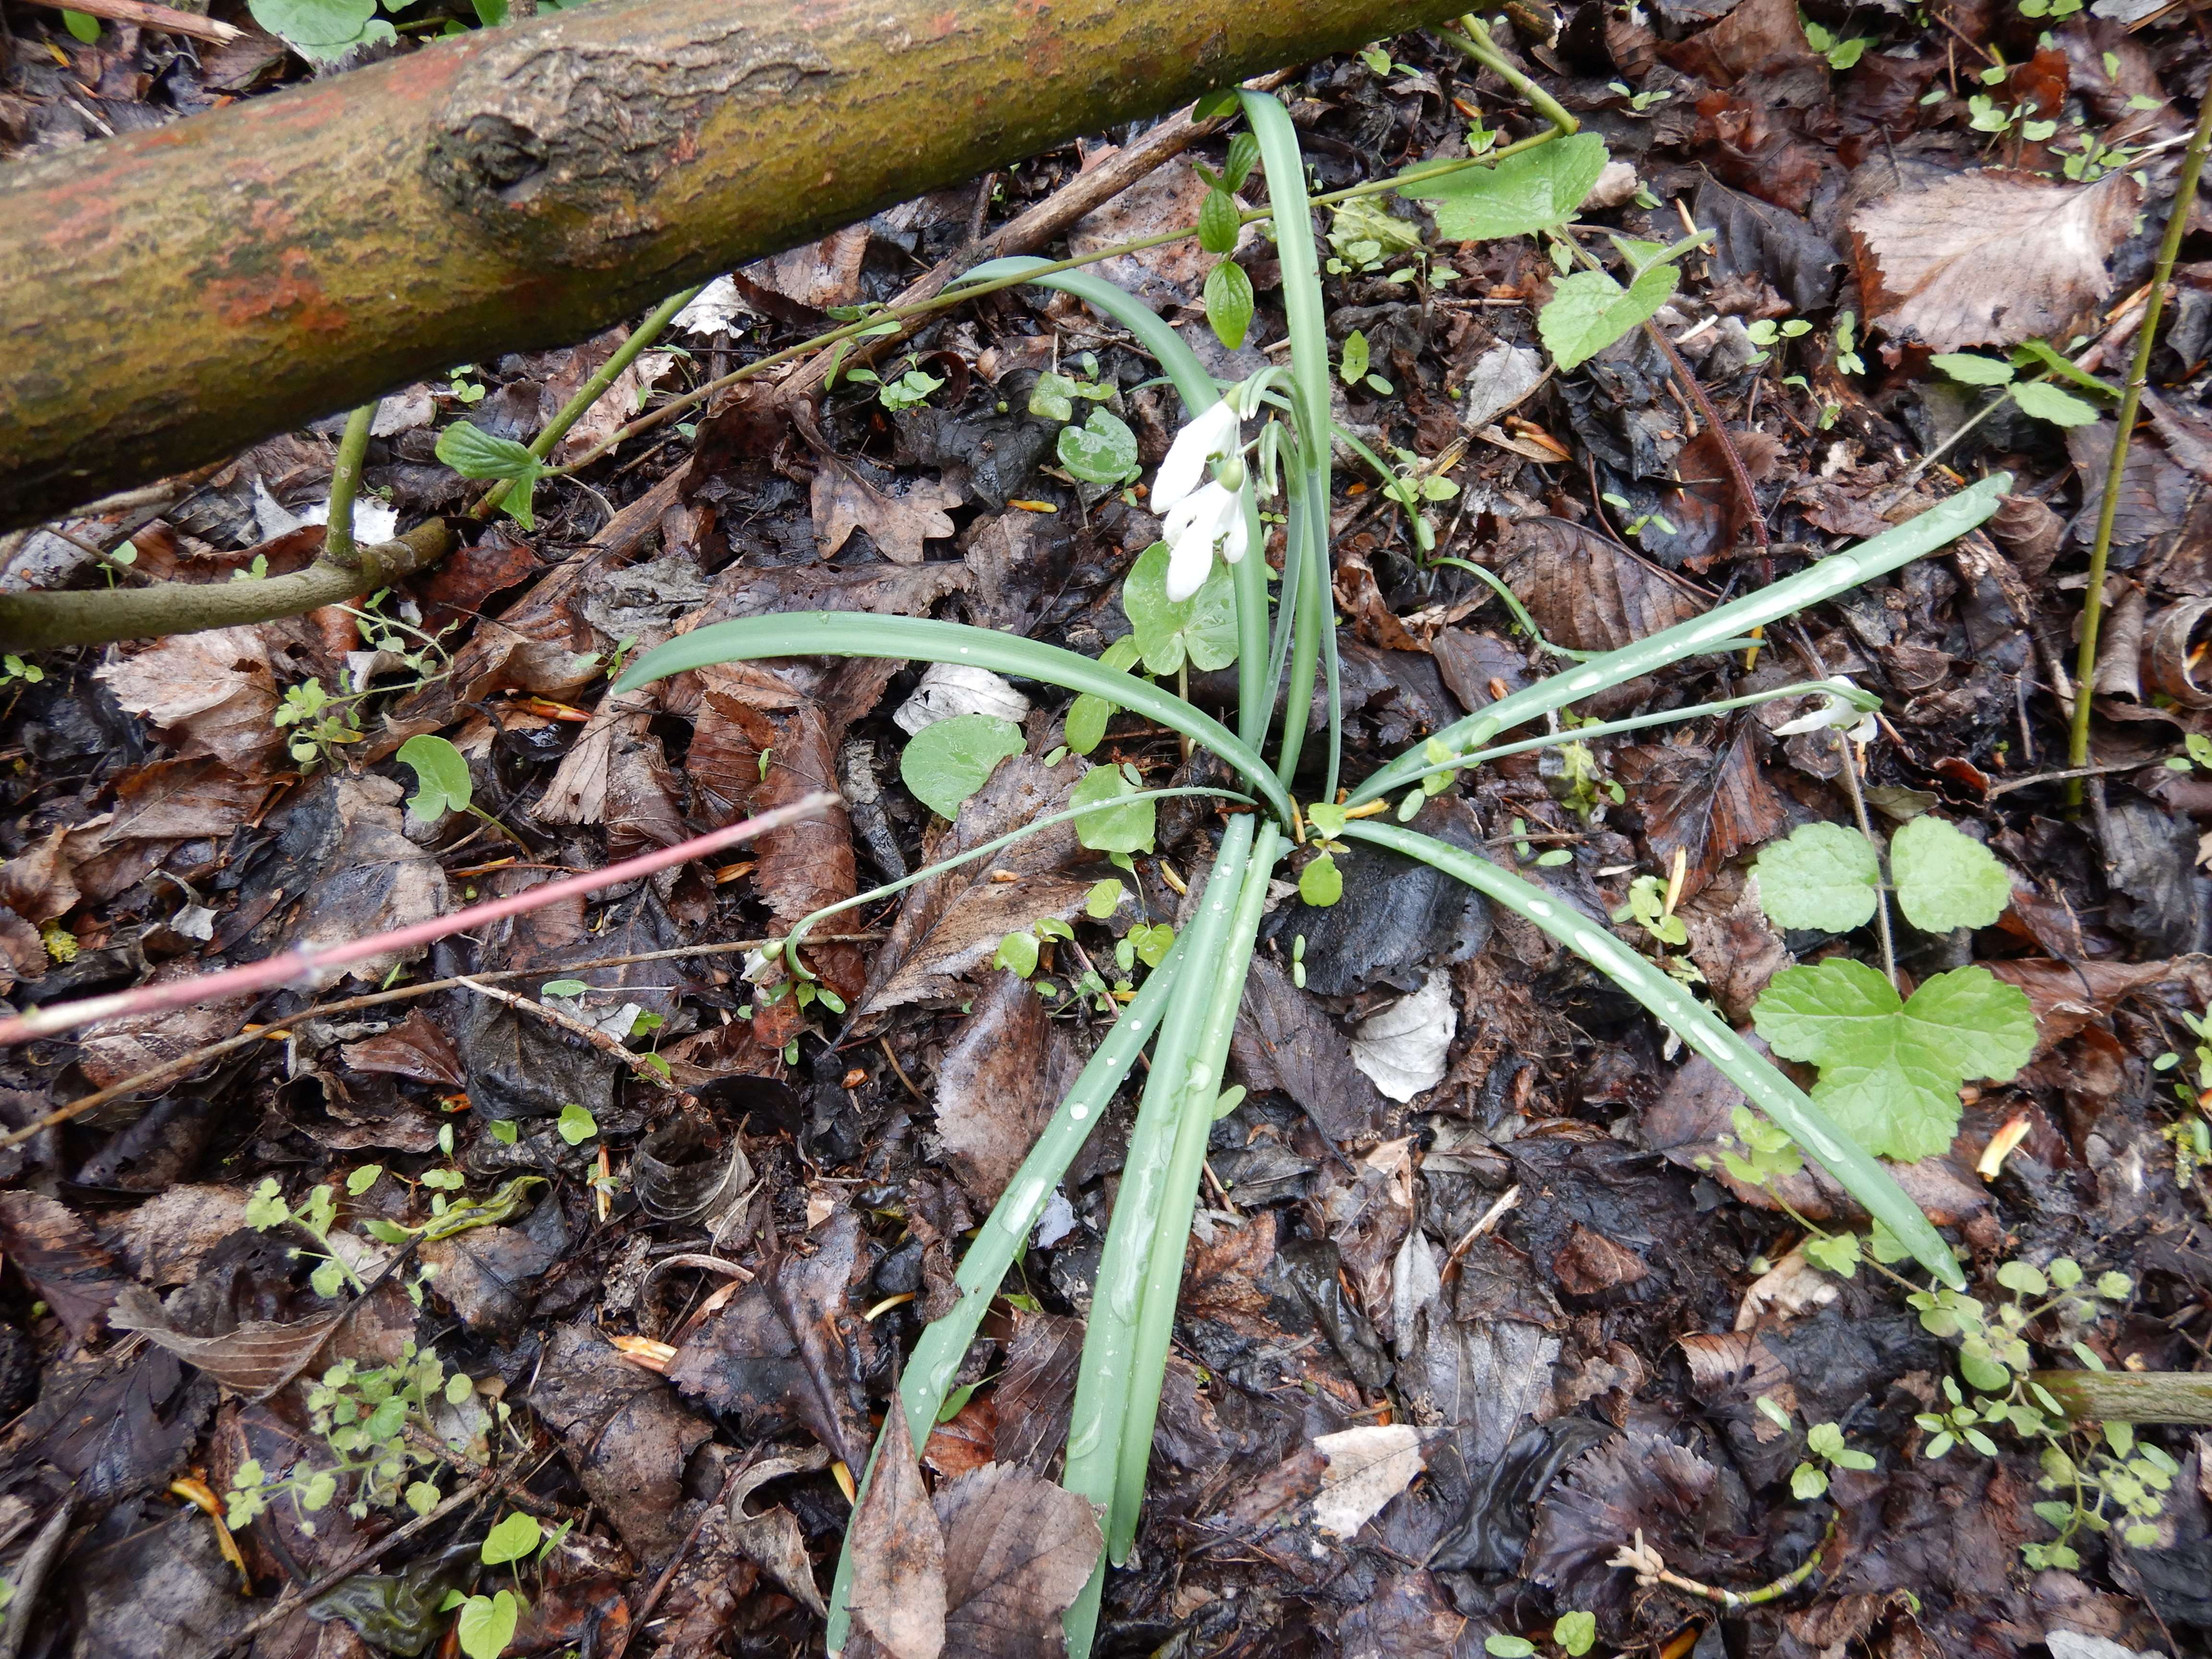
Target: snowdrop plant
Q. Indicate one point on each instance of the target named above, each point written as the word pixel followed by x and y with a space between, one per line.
pixel 1284 645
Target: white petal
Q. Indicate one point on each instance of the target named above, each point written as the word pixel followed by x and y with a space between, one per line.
pixel 1190 562
pixel 1233 539
pixel 1206 436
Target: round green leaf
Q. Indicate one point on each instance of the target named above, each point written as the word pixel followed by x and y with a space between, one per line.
pixel 946 762
pixel 511 1539
pixel 486 1624
pixel 1085 726
pixel 1203 627
pixel 1320 883
pixel 328 24
pixel 1120 830
pixel 441 777
pixel 1575 1633
pixel 1102 451
pixel 576 1124
pixel 1589 311
pixel 1945 878
pixel 1823 876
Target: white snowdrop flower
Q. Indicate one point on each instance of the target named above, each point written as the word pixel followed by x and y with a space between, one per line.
pixel 1208 518
pixel 1834 712
pixel 1205 438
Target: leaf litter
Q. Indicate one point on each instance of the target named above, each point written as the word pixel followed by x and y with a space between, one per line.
pixel 1479 1291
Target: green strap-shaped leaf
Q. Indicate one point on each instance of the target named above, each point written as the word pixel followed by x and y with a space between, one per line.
pixel 846 633
pixel 1938 526
pixel 1864 1179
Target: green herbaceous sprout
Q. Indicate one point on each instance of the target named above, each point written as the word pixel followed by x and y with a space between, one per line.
pixel 1186 607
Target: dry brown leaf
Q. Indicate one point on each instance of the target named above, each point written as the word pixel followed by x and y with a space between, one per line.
pixel 2066 997
pixel 1989 258
pixel 818 275
pixel 38 884
pixel 618 405
pixel 898 1552
pixel 417 1048
pixel 1018 1552
pixel 1588 594
pixel 1037 1389
pixel 211 693
pixel 951 924
pixel 164 1239
pixel 1166 200
pixel 56 1252
pixel 961 1444
pixel 774 1538
pixel 258 1357
pixel 843 501
pixel 1000 1079
pixel 1707 804
pixel 1750 35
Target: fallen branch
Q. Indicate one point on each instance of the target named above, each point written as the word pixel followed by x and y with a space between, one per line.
pixel 94 616
pixel 264 265
pixel 307 966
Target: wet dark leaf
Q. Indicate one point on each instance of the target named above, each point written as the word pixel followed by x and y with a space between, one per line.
pixel 1001 1078
pixel 791 1346
pixel 626 1437
pixel 56 1252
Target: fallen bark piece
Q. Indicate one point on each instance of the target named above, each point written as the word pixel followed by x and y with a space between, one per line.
pixel 264 265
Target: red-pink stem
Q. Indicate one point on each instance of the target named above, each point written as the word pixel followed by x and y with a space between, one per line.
pixel 307 968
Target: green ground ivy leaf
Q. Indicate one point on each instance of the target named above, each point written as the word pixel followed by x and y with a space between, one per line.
pixel 946 762
pixel 576 1124
pixel 1320 883
pixel 441 777
pixel 511 1539
pixel 2047 403
pixel 1125 829
pixel 1890 1071
pixel 1531 192
pixel 1589 311
pixel 1945 878
pixel 1102 451
pixel 320 28
pixel 1203 627
pixel 486 1624
pixel 1823 876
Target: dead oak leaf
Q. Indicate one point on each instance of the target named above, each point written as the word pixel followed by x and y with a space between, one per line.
pixel 842 501
pixel 1989 258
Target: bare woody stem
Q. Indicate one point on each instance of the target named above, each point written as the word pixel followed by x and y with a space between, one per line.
pixel 41 621
pixel 309 966
pixel 2093 600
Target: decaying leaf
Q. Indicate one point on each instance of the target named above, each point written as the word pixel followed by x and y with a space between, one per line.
pixel 625 1435
pixel 1402 1047
pixel 898 1552
pixel 56 1252
pixel 791 1346
pixel 1368 1467
pixel 951 924
pixel 774 1538
pixel 1001 1078
pixel 258 1357
pixel 1990 257
pixel 1591 595
pixel 212 693
pixel 1286 1041
pixel 844 501
pixel 1709 803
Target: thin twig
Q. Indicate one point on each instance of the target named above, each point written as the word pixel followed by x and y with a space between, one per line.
pixel 169 1070
pixel 1650 1569
pixel 306 966
pixel 1739 474
pixel 147 15
pixel 2093 597
pixel 345 484
pixel 591 1034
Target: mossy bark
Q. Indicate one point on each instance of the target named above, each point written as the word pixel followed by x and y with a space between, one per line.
pixel 175 295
